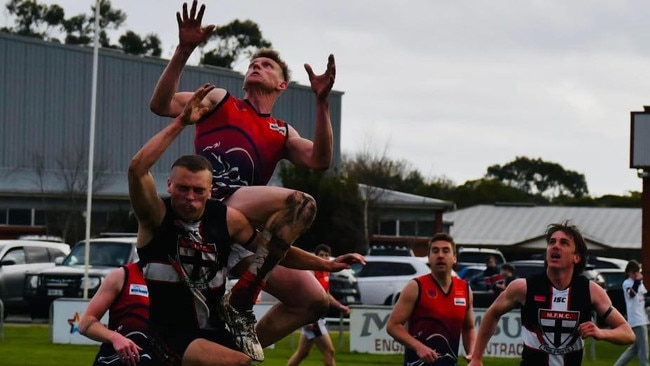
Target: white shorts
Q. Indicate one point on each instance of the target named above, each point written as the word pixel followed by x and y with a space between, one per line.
pixel 237 254
pixel 315 330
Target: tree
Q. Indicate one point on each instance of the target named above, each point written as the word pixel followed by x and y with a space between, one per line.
pixel 40 21
pixel 537 176
pixel 490 191
pixel 132 43
pixel 234 40
pixel 69 174
pixel 339 209
pixel 33 19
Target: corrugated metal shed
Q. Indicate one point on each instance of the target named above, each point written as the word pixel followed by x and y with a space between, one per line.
pixel 45 111
pixel 523 226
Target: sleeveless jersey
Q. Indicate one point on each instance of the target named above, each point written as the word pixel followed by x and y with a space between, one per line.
pixel 244 146
pixel 437 319
pixel 129 316
pixel 186 270
pixel 550 320
pixel 323 278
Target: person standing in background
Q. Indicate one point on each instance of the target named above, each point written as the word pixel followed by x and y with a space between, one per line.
pixel 316 333
pixel 634 292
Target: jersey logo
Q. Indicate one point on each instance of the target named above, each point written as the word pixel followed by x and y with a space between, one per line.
pixel 138 290
pixel 459 301
pixel 559 331
pixel 281 129
pixel 197 262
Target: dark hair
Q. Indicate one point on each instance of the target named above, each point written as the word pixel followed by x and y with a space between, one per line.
pixel 193 163
pixel 443 237
pixel 632 266
pixel 572 231
pixel 323 248
pixel 508 267
pixel 275 56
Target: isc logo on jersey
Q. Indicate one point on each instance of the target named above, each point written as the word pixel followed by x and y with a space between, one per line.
pixel 139 290
pixel 282 130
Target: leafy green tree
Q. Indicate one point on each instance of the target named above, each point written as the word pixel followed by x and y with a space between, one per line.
pixel 40 21
pixel 380 171
pixel 536 176
pixel 34 19
pixel 490 191
pixel 339 219
pixel 132 43
pixel 234 40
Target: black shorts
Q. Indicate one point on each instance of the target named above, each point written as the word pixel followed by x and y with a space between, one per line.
pixel 107 355
pixel 222 192
pixel 169 347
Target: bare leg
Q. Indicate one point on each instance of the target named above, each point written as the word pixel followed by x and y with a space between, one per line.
pixel 304 347
pixel 324 344
pixel 259 203
pixel 291 312
pixel 203 352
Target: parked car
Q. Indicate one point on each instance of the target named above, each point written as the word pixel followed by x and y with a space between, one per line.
pixel 67 280
pixel 467 256
pixel 606 262
pixel 382 279
pixel 401 250
pixel 17 258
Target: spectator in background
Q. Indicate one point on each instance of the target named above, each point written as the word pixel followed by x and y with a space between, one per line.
pixel 634 292
pixel 508 275
pixel 491 273
pixel 316 333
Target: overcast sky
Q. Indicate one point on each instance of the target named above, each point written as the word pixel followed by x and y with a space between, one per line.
pixel 456 86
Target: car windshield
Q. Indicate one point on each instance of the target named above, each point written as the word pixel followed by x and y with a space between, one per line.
pixel 101 254
pixel 613 280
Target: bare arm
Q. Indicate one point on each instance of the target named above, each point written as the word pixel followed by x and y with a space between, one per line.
pixel 512 297
pixel 301 259
pixel 469 331
pixel 90 324
pixel 619 331
pixel 166 101
pixel 148 206
pixel 317 154
pixel 399 316
pixel 337 304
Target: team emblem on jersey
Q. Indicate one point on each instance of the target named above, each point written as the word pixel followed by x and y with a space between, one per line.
pixel 281 129
pixel 559 330
pixel 459 301
pixel 197 262
pixel 234 168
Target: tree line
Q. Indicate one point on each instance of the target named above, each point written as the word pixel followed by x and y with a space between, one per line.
pixel 228 44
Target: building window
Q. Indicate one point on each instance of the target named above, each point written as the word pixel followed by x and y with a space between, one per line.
pixel 388 228
pixel 39 218
pixel 407 228
pixel 20 216
pixel 426 228
pixel 3 216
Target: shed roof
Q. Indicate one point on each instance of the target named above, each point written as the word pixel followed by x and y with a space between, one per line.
pixel 505 225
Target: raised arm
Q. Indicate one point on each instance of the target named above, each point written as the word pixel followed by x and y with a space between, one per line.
pixel 148 206
pixel 316 154
pixel 513 296
pixel 618 332
pixel 166 100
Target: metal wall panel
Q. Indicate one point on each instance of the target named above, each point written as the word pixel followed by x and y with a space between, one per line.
pixel 45 109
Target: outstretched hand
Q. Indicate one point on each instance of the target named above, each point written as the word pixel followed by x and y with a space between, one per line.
pixel 322 84
pixel 193 109
pixel 344 261
pixel 190 32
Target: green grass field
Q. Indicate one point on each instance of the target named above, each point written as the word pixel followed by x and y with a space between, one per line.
pixel 30 345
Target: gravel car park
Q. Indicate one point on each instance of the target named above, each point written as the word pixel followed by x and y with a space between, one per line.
pixel 17 258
